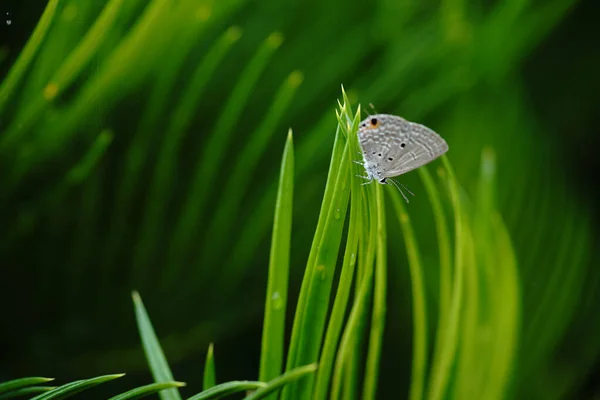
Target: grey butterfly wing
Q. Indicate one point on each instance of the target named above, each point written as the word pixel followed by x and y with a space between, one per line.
pixel 421 146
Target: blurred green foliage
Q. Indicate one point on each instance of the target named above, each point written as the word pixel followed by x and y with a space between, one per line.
pixel 140 146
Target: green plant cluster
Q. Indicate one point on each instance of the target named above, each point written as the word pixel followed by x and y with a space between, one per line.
pixel 139 148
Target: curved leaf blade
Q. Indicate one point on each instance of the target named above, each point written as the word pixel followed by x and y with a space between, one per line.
pixel 146 390
pixel 225 389
pixel 154 353
pixel 72 388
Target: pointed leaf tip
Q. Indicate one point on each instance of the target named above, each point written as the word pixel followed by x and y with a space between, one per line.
pixel 275 39
pixel 234 33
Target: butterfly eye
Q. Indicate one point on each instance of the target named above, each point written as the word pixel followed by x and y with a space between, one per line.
pixel 374 122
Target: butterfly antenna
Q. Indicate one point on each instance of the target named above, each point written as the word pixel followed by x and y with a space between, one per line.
pixel 373 107
pixel 405 188
pixel 398 184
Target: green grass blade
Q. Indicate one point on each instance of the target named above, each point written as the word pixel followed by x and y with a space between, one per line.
pixel 214 150
pixel 72 388
pixel 146 390
pixel 209 380
pixel 299 316
pixel 379 302
pixel 471 360
pixel 503 283
pixel 420 330
pixel 508 303
pixel 130 59
pixel 313 303
pixel 28 391
pixel 21 383
pixel 84 167
pixel 165 167
pixel 154 354
pixel 338 313
pixel 10 83
pixel 271 359
pixel 70 69
pixel 226 389
pixel 310 334
pixel 85 50
pixel 443 358
pixel 480 262
pixel 280 381
pixel 352 336
pixel 334 329
pixel 350 361
pixel 140 148
pixel 240 177
pixel 445 280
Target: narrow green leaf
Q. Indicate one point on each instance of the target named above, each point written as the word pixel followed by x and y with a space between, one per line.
pixel 315 292
pixel 205 171
pixel 146 390
pixel 338 313
pixel 19 68
pixel 129 59
pixel 226 389
pixel 142 140
pixel 72 388
pixel 280 381
pixel 87 47
pixel 240 177
pixel 28 391
pixel 349 362
pixel 209 380
pixel 420 331
pixel 154 353
pixel 379 302
pixel 444 356
pixel 502 284
pixel 22 382
pixel 508 306
pixel 165 167
pixel 348 352
pixel 472 359
pixel 353 361
pixel 334 329
pixel 83 168
pixel 317 305
pixel 445 280
pixel 273 336
pixel 70 68
pixel 299 316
